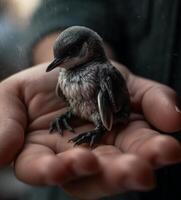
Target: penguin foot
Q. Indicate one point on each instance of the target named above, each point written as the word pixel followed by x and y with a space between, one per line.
pixel 60 123
pixel 90 137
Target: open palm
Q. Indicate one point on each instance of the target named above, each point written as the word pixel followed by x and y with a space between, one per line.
pixel 124 160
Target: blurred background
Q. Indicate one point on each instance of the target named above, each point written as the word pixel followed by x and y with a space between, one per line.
pixel 14 17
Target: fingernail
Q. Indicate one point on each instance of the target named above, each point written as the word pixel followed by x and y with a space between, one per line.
pixel 178 104
pixel 85 164
pixel 80 170
pixel 146 184
pixel 83 170
pixel 177 109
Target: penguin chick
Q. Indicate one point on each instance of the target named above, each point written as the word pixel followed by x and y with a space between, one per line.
pixel 94 89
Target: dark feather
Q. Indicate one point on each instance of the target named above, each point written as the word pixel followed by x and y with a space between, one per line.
pixel 113 94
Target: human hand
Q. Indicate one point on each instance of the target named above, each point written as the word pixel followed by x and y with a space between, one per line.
pixel 125 159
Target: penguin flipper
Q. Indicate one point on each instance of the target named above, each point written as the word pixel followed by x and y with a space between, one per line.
pixel 105 110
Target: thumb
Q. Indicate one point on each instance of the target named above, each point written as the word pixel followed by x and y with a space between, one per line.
pixel 12 122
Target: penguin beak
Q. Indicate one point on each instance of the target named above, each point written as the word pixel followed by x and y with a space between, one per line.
pixel 55 63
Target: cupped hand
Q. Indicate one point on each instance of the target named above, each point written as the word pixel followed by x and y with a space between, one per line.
pixel 126 158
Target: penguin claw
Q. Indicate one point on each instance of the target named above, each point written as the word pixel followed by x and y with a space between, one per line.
pixel 92 137
pixel 60 123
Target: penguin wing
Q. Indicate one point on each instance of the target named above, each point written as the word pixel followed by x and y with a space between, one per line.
pixel 105 110
pixel 112 96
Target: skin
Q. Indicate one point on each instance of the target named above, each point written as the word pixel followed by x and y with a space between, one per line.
pixel 27 105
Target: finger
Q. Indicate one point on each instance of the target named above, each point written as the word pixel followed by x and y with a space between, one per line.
pixel 119 173
pixel 12 124
pixel 39 165
pixel 43 122
pixel 127 164
pixel 158 103
pixel 157 149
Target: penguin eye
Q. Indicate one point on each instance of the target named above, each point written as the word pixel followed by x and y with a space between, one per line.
pixel 73 51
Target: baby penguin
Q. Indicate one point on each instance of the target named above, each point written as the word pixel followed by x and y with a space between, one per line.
pixel 94 89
